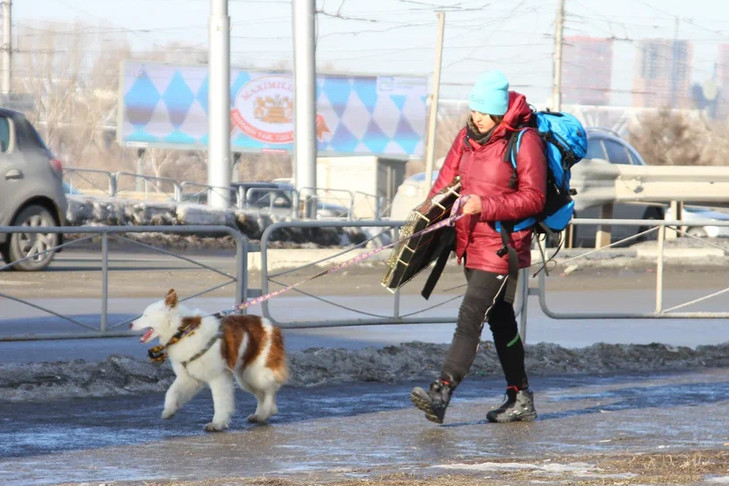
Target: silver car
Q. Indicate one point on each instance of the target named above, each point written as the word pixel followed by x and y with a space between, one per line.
pixel 31 193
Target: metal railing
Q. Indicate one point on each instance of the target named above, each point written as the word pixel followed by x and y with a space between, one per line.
pixel 394 318
pixel 95 181
pixel 659 228
pixel 384 232
pixel 147 187
pixel 105 329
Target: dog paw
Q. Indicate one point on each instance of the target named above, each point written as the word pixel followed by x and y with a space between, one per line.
pixel 213 427
pixel 167 414
pixel 255 419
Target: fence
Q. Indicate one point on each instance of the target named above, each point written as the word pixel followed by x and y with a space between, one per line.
pixel 106 329
pixel 370 316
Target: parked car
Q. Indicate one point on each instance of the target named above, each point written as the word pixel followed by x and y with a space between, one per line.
pixel 282 198
pixel 695 218
pixel 409 194
pixel 32 193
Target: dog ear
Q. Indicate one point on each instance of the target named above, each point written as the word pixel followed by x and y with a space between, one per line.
pixel 171 299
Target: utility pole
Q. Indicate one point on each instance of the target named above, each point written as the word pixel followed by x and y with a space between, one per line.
pixel 433 115
pixel 219 166
pixel 557 65
pixel 305 144
pixel 6 47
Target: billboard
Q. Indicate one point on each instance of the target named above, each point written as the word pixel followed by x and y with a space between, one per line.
pixel 167 105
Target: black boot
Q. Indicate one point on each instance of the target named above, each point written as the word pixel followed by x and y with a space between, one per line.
pixel 433 402
pixel 518 406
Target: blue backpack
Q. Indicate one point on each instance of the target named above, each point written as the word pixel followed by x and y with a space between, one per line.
pixel 565 144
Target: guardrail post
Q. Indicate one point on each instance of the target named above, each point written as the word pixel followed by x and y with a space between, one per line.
pixel 104 280
pixel 659 269
pixel 675 208
pixel 603 236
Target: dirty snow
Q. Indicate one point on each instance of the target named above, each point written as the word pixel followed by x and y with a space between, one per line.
pixel 123 375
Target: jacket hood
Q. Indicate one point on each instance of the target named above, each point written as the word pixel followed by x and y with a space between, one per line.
pixel 518 115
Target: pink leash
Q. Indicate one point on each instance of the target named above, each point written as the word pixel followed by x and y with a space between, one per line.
pixel 449 221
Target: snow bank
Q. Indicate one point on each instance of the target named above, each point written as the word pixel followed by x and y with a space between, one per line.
pixel 121 375
pixel 94 211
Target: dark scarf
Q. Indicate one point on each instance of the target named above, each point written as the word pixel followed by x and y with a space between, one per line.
pixel 478 137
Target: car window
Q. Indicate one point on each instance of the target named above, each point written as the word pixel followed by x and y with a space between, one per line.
pixel 616 153
pixel 4 134
pixel 595 149
pixel 258 197
pixel 635 158
pixel 631 159
pixel 266 197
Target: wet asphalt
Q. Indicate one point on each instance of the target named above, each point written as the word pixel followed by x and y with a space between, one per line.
pixel 358 430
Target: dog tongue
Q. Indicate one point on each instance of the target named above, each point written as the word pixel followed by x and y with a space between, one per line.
pixel 147 334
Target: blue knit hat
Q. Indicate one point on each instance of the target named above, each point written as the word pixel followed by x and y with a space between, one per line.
pixel 490 94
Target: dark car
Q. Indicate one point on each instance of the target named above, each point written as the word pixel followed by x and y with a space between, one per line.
pixel 282 199
pixel 32 193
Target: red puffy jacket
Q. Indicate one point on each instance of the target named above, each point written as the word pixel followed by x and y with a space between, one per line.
pixel 485 174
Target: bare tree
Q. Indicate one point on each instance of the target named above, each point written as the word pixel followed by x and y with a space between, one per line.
pixel 669 137
pixel 74 88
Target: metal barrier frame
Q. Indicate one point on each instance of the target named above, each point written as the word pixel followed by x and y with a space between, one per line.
pixel 659 313
pixel 395 318
pixel 147 180
pixel 241 264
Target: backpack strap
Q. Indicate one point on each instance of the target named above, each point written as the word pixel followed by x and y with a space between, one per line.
pixel 512 148
pixel 446 245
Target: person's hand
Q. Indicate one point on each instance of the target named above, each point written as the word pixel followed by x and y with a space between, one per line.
pixel 472 206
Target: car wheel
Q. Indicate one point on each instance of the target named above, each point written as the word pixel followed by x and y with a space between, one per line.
pixel 651 214
pixel 37 246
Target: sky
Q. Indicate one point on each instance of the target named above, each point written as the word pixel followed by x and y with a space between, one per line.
pixel 399 37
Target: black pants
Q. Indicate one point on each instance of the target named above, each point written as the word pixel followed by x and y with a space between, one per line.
pixel 484 300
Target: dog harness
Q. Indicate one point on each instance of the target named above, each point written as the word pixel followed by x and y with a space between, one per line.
pixel 203 350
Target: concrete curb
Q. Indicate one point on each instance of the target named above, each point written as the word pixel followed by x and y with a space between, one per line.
pixel 321 258
pixel 681 253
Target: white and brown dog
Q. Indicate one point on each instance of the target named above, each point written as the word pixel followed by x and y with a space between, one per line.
pixel 207 350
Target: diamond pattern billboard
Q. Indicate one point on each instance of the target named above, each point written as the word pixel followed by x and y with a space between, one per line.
pixel 167 105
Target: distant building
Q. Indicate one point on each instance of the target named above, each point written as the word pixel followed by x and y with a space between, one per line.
pixel 587 65
pixel 722 83
pixel 663 74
